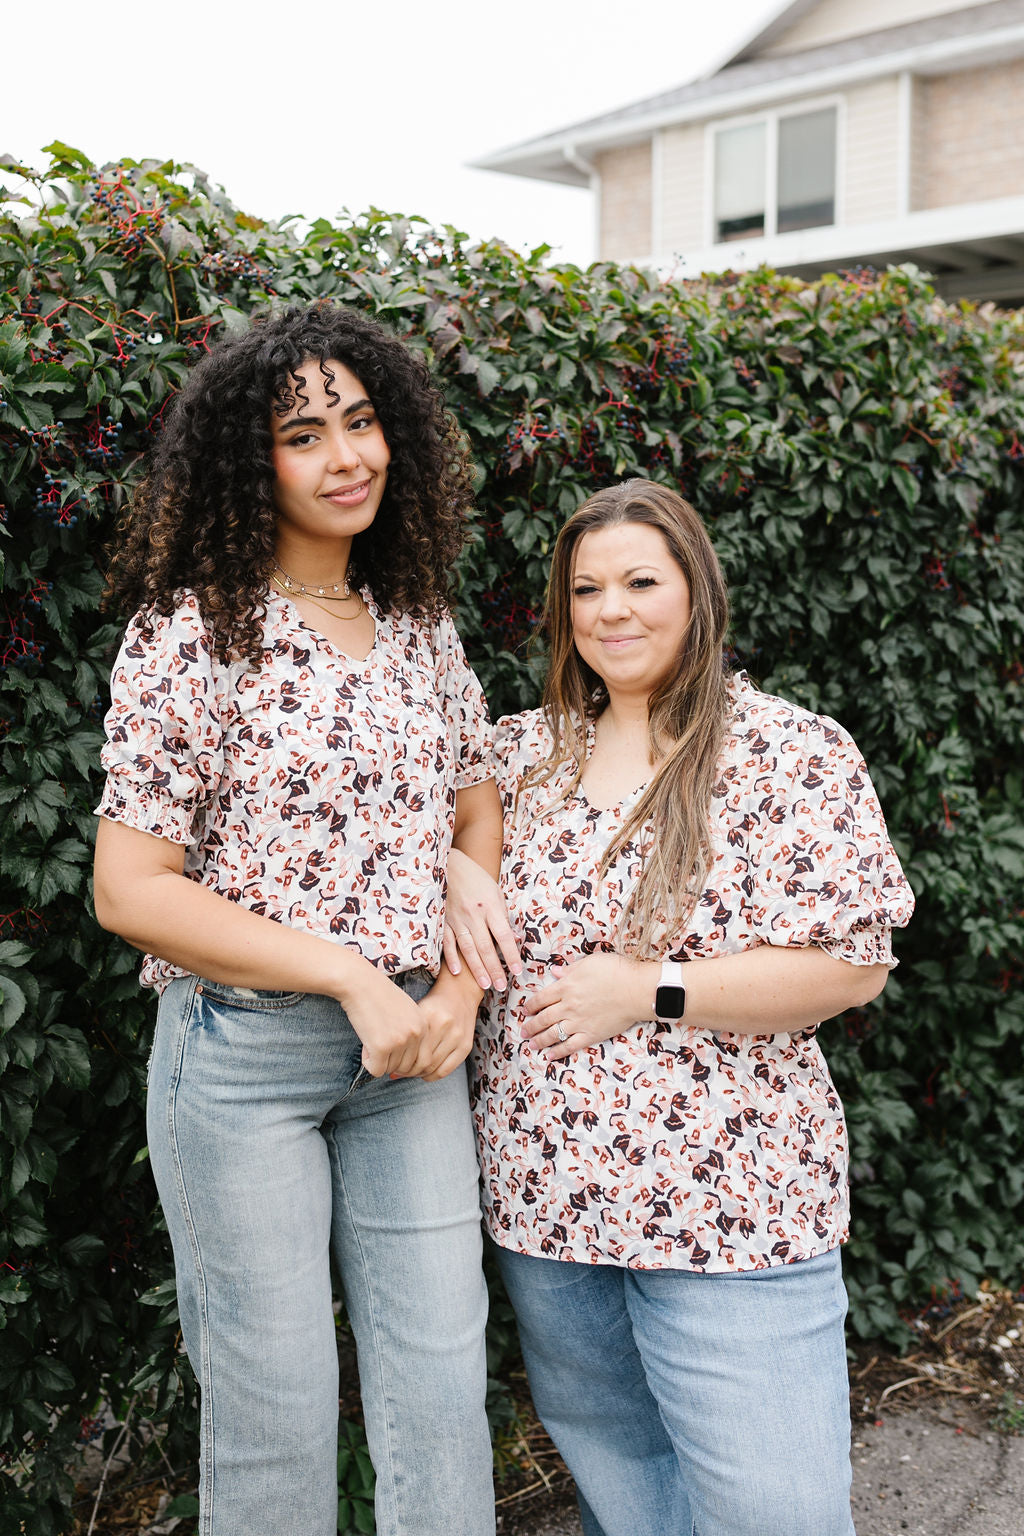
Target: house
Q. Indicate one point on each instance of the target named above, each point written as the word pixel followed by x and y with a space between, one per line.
pixel 844 132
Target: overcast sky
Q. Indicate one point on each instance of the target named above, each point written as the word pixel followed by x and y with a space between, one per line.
pixel 311 107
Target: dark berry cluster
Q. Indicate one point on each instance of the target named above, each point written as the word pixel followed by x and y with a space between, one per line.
pixel 18 644
pixel 37 592
pixel 523 438
pixel 46 439
pixel 860 276
pixel 676 356
pixel 126 343
pixel 586 456
pixel 90 1429
pixel 952 381
pixel 131 220
pixel 935 573
pixel 628 419
pixel 103 446
pixel 199 341
pixel 746 375
pixel 49 501
pixel 227 267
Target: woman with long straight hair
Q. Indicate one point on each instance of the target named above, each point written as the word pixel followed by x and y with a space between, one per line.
pixel 294 743
pixel 696 874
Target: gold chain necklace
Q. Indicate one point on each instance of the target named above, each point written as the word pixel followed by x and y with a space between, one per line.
pixel 346 618
pixel 290 585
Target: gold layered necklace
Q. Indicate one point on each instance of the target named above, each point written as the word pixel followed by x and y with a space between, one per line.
pixel 291 588
pixel 290 585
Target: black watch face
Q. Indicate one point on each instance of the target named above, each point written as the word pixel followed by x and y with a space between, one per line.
pixel 670 1002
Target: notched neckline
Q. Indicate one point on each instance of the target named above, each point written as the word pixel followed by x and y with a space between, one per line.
pixel 363 663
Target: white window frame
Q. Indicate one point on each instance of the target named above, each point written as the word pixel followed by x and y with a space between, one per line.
pixel 770 116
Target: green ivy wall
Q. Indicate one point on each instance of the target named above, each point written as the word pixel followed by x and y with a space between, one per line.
pixel 854 447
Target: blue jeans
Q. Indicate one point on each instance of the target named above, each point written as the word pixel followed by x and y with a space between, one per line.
pixel 274 1151
pixel 692 1405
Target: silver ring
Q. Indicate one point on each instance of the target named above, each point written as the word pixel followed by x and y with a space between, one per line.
pixel 561 1034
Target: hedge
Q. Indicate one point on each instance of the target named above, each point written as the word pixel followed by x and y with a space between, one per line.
pixel 854 446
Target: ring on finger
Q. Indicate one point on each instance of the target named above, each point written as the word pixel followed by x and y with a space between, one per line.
pixel 562 1037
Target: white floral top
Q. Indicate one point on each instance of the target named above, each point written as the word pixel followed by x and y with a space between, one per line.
pixel 318 790
pixel 669 1147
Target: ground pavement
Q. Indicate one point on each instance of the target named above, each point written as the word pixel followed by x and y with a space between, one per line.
pixel 921 1471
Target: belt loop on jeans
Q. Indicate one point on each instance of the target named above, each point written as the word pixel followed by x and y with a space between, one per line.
pixel 416 973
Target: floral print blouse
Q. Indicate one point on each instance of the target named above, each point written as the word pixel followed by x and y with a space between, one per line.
pixel 667 1146
pixel 318 790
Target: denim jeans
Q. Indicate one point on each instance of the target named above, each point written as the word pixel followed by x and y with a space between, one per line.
pixel 273 1151
pixel 688 1404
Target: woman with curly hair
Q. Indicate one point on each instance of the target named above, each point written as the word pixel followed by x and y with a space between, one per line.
pixel 295 742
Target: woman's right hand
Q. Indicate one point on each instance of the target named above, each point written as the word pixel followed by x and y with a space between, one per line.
pixel 476 922
pixel 142 893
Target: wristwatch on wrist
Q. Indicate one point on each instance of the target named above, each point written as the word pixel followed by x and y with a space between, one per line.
pixel 670 998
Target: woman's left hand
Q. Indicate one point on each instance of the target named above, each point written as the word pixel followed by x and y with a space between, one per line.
pixel 477 925
pixel 589 1001
pixel 449 1012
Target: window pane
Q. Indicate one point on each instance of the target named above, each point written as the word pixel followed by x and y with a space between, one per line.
pixel 739 182
pixel 807 170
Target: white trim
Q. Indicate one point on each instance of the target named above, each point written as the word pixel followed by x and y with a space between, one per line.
pixel 842 145
pixel 923 58
pixel 708 210
pixel 657 193
pixel 587 168
pixel 771 174
pixel 597 190
pixel 930 227
pixel 904 140
pixel 771 120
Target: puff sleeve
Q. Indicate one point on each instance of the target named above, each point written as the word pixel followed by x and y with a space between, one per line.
pixel 824 869
pixel 164 750
pixel 465 708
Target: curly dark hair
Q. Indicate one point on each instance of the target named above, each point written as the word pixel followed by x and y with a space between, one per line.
pixel 204 515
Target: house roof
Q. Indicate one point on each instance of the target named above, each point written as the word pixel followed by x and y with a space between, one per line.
pixel 993 30
pixel 764 32
pixel 770 31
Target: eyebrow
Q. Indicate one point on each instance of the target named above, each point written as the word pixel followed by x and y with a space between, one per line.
pixel 318 421
pixel 643 566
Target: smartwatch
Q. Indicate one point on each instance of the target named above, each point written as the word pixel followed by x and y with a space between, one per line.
pixel 670 998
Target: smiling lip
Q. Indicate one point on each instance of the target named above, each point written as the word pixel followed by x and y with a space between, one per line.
pixel 348 495
pixel 616 642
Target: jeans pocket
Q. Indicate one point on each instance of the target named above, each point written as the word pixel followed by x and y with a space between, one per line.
pixel 252 999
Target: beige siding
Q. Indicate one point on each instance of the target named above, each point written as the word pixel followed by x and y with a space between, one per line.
pixel 625 202
pixel 681 191
pixel 870 176
pixel 831 20
pixel 972 133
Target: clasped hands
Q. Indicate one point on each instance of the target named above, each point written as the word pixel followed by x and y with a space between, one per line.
pixel 404 1038
pixel 585 1002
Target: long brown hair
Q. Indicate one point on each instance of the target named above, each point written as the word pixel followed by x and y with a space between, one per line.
pixel 688 712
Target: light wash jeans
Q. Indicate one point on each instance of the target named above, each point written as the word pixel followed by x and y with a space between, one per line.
pixel 274 1151
pixel 692 1405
